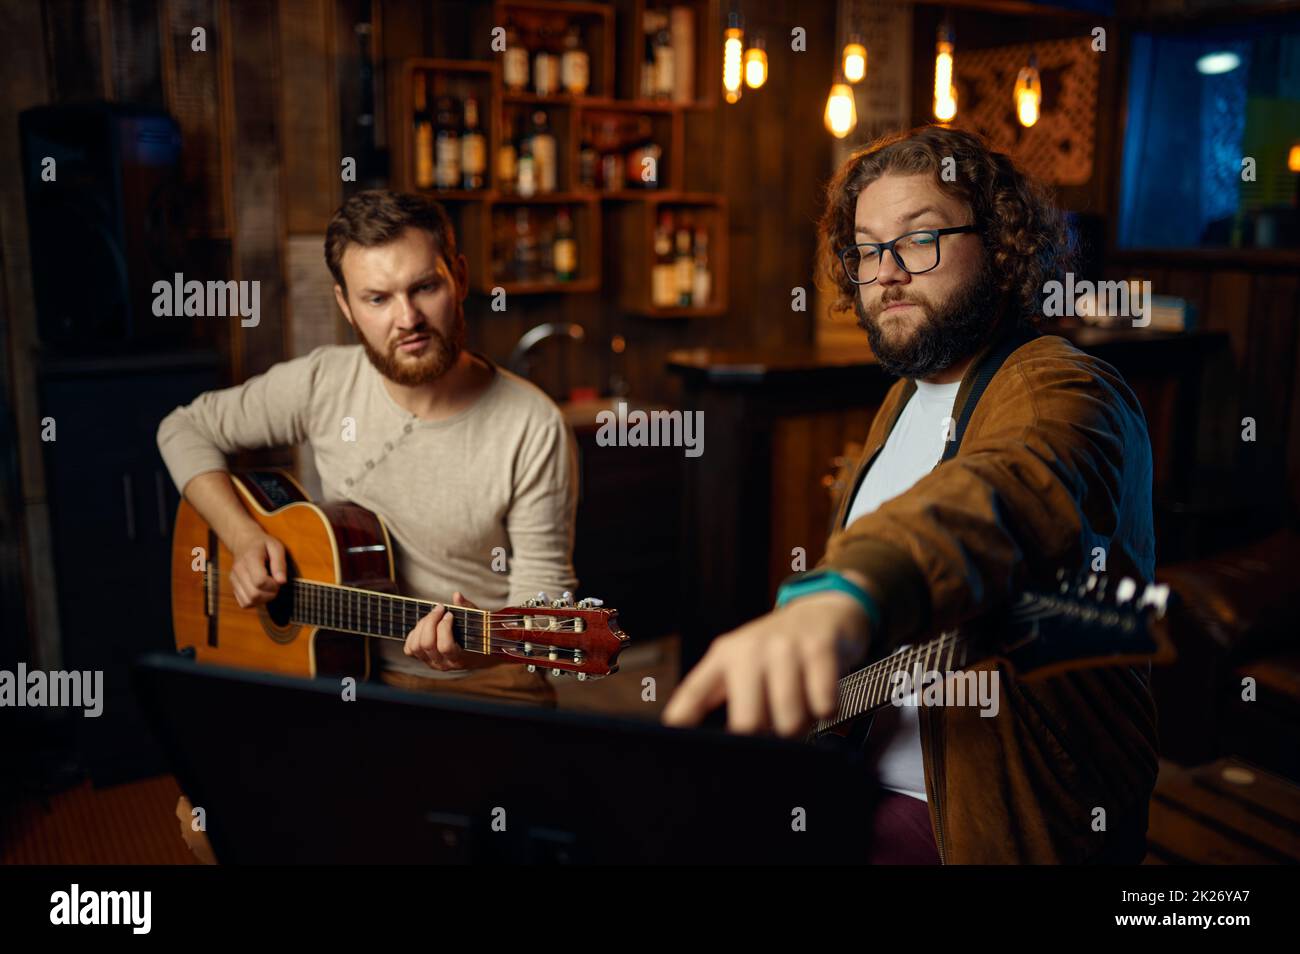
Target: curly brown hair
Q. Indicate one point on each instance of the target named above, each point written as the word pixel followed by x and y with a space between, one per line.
pixel 1026 237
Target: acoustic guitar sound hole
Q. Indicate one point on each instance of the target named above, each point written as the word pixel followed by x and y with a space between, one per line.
pixel 280 609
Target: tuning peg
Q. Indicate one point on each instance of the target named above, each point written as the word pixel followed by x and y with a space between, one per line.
pixel 557 672
pixel 1156 595
pixel 531 667
pixel 581 676
pixel 542 598
pixel 590 602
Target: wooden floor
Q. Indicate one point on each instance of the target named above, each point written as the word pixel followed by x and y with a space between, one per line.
pixel 1224 813
pixel 132 824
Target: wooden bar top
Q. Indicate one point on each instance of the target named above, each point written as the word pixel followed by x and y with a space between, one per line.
pixel 753 366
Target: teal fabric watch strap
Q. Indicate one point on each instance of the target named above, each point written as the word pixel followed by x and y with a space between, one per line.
pixel 819 581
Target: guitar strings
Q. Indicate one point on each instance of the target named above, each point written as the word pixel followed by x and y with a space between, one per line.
pixel 473 639
pixel 470 618
pixel 858 689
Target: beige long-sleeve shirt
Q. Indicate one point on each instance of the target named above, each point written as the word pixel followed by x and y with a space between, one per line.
pixel 497 480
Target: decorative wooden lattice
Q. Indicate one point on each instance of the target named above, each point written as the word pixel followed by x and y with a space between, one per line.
pixel 1059 147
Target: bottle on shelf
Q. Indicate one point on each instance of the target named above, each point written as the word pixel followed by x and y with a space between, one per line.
pixel 649 29
pixel 575 65
pixel 473 149
pixel 514 64
pixel 665 70
pixel 423 136
pixel 546 249
pixel 663 278
pixel 527 183
pixel 611 163
pixel 545 154
pixel 684 265
pixel 565 255
pixel 447 146
pixel 702 286
pixel 507 157
pixel 546 67
pixel 587 159
pixel 682 28
pixel 525 247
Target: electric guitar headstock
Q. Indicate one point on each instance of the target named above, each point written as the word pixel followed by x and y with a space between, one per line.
pixel 1086 620
pixel 581 639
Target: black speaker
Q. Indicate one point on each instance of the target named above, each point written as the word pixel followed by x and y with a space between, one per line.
pixel 104 213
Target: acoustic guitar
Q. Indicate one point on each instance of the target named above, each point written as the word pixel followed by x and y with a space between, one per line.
pixel 341 586
pixel 1084 622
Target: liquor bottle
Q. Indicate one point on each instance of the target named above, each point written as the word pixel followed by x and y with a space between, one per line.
pixel 544 153
pixel 447 146
pixel 663 284
pixel 684 265
pixel 546 68
pixel 525 252
pixel 649 27
pixel 587 159
pixel 514 66
pixel 473 149
pixel 702 286
pixel 575 65
pixel 565 256
pixel 527 185
pixel 507 158
pixel 665 69
pixel 424 169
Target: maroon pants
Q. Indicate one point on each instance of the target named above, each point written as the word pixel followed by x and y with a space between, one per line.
pixel 901 832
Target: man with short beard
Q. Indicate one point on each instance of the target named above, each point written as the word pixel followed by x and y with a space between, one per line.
pixel 999 456
pixel 468 464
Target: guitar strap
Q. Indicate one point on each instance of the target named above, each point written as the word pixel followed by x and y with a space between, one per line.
pixel 988 367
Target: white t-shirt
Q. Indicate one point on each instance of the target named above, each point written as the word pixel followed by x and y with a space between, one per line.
pixel 913 448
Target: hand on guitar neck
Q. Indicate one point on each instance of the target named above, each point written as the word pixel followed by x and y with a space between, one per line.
pixel 260 569
pixel 779 672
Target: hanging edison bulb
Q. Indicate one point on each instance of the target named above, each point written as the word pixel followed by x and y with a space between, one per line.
pixel 732 44
pixel 854 60
pixel 1293 158
pixel 945 93
pixel 841 112
pixel 1029 93
pixel 756 64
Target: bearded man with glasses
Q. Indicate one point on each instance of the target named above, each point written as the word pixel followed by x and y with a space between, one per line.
pixel 999 456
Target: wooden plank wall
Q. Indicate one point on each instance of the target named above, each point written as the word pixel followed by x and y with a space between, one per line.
pixel 1258 307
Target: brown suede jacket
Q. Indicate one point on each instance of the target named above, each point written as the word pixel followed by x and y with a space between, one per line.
pixel 1055 461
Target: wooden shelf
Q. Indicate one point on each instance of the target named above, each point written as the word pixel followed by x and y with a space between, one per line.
pixel 577 286
pixel 597 23
pixel 483 229
pixel 447 77
pixel 708 311
pixel 632 227
pixel 629 215
pixel 706 54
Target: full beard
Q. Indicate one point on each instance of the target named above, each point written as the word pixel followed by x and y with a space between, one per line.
pixel 440 354
pixel 945 334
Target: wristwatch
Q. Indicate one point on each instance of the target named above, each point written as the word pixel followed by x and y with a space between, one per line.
pixel 819 581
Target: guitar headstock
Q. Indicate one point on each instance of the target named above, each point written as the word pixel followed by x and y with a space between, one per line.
pixel 1087 620
pixel 581 639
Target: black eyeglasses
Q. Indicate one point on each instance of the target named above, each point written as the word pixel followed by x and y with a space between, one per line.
pixel 915 252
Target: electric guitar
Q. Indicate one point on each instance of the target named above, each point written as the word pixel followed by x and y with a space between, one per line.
pixel 341 585
pixel 1083 623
